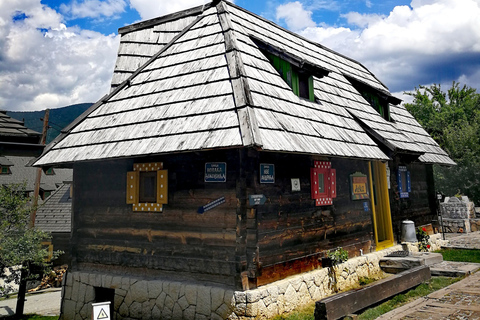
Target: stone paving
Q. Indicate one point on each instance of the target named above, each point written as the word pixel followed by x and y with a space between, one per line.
pixel 460 300
pixel 463 240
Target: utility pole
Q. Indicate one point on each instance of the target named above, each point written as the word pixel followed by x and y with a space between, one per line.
pixel 36 191
pixel 24 271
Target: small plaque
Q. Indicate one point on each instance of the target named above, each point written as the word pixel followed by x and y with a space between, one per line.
pixel 359 186
pixel 256 199
pixel 295 184
pixel 365 206
pixel 216 172
pixel 267 173
pixel 101 311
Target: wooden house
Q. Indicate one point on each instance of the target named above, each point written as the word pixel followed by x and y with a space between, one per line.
pixel 54 216
pixel 16 139
pixel 18 147
pixel 232 152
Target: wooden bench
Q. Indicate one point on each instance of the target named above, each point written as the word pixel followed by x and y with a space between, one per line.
pixel 342 304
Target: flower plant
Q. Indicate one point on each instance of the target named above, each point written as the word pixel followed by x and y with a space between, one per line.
pixel 423 239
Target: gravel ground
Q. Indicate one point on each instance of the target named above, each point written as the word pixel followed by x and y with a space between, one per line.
pixel 45 303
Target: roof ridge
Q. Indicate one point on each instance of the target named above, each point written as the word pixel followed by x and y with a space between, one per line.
pixel 195 11
pixel 241 90
pixel 116 90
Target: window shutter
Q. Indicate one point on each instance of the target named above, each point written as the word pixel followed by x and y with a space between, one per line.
pixel 132 187
pixel 162 186
pixel 323 183
pixel 333 181
pixel 409 186
pixel 399 180
pixel 314 183
pixel 311 92
pixel 295 82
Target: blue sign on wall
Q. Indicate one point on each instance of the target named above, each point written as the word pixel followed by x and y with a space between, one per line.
pixel 267 173
pixel 216 172
pixel 256 199
pixel 365 206
pixel 211 205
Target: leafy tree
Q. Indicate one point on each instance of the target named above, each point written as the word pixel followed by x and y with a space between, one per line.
pixel 20 246
pixel 452 118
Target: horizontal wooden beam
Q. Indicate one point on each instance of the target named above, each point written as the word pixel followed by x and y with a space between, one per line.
pixel 339 305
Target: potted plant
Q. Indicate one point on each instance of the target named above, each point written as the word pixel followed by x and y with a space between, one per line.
pixel 335 257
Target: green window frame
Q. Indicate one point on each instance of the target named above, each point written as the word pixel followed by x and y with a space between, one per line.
pixel 381 107
pixel 299 80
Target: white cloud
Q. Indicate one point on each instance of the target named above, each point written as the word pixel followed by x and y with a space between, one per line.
pixel 331 37
pixel 295 16
pixel 44 64
pixel 149 9
pixel 429 42
pixel 93 8
pixel 362 20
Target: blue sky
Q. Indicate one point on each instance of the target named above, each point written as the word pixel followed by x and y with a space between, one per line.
pixel 55 53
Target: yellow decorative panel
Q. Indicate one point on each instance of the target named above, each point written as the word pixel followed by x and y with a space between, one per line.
pixel 162 186
pixel 134 182
pixel 132 187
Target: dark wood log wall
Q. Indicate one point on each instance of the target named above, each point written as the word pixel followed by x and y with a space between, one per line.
pixel 61 242
pixel 179 242
pixel 420 206
pixel 292 233
pixel 234 244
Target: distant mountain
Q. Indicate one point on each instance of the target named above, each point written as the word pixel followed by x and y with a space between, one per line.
pixel 58 119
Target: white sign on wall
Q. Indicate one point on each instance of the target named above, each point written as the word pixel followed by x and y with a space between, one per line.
pixel 101 311
pixel 388 176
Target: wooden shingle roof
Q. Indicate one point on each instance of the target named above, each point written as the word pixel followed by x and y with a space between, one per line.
pixel 199 81
pixel 11 128
pixel 22 172
pixel 55 214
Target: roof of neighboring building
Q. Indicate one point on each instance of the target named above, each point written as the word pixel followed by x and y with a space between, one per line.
pixel 55 213
pixel 12 129
pixel 20 172
pixel 198 80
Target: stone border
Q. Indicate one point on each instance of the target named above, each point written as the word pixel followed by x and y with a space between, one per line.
pixel 139 298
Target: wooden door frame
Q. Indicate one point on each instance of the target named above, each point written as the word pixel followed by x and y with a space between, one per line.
pixel 383 200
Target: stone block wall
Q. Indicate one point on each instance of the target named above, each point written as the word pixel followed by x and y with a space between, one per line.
pixel 454 208
pixel 458 215
pixel 139 298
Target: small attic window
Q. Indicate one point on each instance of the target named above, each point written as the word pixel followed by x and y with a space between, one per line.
pixel 301 81
pixel 49 172
pixel 5 170
pixel 380 106
pixel 379 100
pixel 296 72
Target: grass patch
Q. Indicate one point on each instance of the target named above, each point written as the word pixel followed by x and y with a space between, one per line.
pixel 461 255
pixel 434 284
pixel 301 314
pixel 363 281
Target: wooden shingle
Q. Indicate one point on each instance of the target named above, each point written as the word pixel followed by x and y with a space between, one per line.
pixel 199 80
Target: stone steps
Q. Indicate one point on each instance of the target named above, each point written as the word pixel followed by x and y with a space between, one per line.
pixel 414 259
pixel 438 267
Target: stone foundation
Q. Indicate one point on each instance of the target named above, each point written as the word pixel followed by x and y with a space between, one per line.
pixel 138 298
